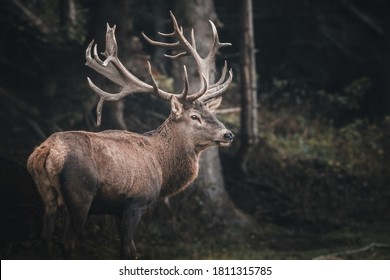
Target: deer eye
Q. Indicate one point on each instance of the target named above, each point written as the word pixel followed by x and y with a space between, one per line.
pixel 195 118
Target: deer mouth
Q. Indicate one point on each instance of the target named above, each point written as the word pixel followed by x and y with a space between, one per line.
pixel 223 143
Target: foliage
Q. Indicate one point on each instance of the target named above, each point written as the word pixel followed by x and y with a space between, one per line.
pixel 340 106
pixel 355 147
pixel 312 173
pixel 57 23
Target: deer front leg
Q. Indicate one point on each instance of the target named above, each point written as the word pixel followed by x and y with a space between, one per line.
pixel 128 223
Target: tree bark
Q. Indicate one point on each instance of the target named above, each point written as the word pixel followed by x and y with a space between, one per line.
pixel 209 186
pixel 386 100
pixel 249 133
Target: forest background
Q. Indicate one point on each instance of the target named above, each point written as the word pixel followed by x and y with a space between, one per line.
pixel 315 183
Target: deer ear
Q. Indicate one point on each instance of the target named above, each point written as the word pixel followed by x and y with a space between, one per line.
pixel 176 107
pixel 213 104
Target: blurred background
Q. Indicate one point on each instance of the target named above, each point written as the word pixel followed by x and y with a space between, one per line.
pixel 308 174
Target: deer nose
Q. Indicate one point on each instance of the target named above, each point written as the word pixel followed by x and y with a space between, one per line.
pixel 228 136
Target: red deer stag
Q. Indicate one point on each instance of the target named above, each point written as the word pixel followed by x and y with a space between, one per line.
pixel 120 172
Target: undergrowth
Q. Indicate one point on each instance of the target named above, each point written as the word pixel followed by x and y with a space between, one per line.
pixel 309 171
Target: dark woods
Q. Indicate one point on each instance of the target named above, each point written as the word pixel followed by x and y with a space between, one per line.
pixel 316 181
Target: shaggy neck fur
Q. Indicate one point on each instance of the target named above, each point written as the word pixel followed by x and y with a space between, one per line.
pixel 177 156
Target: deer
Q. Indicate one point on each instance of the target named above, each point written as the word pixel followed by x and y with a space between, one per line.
pixel 121 173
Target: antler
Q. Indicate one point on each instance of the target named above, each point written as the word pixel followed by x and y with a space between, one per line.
pixel 186 48
pixel 112 68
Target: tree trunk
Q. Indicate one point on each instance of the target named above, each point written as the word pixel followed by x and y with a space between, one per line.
pixel 209 186
pixel 386 100
pixel 249 134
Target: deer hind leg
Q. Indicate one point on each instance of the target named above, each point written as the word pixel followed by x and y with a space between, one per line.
pixel 77 215
pixel 49 197
pixel 127 224
pixel 78 187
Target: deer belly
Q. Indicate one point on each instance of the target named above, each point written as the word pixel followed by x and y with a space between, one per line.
pixel 131 184
pixel 110 199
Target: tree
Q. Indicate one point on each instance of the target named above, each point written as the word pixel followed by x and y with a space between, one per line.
pixel 386 95
pixel 216 204
pixel 249 134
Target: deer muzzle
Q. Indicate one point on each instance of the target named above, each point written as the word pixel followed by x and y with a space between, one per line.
pixel 227 139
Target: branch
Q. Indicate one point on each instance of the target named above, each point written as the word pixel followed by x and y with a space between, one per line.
pixel 31 17
pixel 363 17
pixel 19 108
pixel 72 12
pixel 368 247
pixel 15 104
pixel 229 110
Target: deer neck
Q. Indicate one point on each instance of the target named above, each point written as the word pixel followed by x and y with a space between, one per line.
pixel 177 156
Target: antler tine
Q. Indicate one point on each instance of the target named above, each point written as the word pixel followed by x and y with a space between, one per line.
pixel 223 76
pixel 201 92
pixel 193 43
pixel 175 45
pixel 216 43
pixel 95 54
pixel 186 87
pixel 217 89
pixel 184 97
pixel 157 91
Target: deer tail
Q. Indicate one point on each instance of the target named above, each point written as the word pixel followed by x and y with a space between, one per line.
pixel 36 164
pixel 47 184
